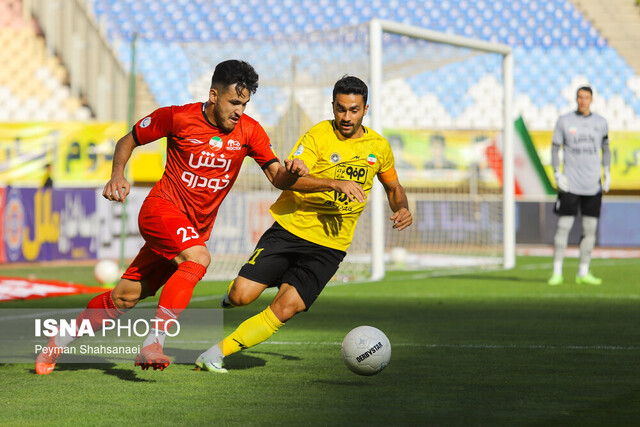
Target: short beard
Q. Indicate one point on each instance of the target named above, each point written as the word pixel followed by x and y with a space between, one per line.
pixel 220 123
pixel 354 130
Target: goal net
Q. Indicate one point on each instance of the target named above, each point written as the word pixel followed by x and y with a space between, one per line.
pixel 441 106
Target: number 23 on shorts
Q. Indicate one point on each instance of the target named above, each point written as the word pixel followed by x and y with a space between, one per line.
pixel 188 233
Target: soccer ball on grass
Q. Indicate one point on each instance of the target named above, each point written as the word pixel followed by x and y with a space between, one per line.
pixel 366 350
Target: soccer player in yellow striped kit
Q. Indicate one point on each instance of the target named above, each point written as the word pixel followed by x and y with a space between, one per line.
pixel 304 247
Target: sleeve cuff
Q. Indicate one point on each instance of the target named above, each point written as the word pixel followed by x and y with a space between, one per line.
pixel 266 165
pixel 135 135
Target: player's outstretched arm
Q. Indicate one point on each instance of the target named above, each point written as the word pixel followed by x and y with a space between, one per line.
pixel 294 176
pixel 283 177
pixel 399 205
pixel 309 184
pixel 117 189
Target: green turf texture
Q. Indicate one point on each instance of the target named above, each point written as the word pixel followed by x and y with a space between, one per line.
pixel 482 348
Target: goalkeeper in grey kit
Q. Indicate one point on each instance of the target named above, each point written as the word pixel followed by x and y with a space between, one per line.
pixel 582 135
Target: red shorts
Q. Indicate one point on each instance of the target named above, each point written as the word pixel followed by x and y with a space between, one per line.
pixel 167 232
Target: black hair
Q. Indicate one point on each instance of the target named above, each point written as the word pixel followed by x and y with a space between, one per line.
pixel 585 88
pixel 348 85
pixel 233 71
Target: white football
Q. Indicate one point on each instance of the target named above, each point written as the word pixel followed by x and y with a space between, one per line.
pixel 366 350
pixel 398 255
pixel 106 272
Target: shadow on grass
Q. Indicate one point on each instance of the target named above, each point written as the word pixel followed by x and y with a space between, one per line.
pixel 280 355
pixel 350 383
pixel 108 369
pixel 239 361
pixel 496 277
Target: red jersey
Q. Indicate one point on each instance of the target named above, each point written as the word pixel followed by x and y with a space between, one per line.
pixel 202 162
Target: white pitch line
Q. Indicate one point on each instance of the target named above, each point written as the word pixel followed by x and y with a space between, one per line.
pixel 475 346
pixel 540 266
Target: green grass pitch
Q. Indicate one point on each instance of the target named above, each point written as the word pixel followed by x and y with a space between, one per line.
pixel 490 348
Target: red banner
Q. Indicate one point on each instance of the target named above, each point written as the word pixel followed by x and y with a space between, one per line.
pixel 16 288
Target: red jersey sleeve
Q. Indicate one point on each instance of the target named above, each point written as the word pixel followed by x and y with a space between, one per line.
pixel 261 150
pixel 154 126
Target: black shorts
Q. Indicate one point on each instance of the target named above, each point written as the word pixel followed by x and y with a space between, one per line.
pixel 568 203
pixel 282 257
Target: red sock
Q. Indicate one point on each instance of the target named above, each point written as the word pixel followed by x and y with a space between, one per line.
pixel 177 292
pixel 98 309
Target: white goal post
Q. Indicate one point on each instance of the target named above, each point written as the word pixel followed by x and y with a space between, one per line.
pixel 434 96
pixel 376 29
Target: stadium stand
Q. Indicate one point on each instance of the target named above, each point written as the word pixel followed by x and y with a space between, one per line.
pixel 617 21
pixel 32 82
pixel 556 48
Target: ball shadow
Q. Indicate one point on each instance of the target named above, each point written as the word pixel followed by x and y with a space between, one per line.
pixel 241 361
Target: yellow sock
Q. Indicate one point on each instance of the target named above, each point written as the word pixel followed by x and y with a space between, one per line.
pixel 251 332
pixel 228 291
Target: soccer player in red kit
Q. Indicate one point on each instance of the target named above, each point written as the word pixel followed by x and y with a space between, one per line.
pixel 206 144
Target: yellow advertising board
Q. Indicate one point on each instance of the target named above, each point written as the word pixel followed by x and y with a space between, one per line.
pixel 442 158
pixel 625 157
pixel 72 154
pixel 79 154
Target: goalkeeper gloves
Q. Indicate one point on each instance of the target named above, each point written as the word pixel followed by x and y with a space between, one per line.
pixel 561 182
pixel 607 181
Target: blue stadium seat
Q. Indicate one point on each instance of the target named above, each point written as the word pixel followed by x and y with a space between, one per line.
pixel 550 37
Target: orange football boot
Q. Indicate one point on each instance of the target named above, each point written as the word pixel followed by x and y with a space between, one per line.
pixel 47 359
pixel 152 356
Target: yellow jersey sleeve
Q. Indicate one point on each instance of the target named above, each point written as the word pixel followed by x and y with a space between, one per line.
pixel 305 150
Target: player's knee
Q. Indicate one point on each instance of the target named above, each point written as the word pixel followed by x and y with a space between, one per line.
pixel 589 226
pixel 239 297
pixel 197 254
pixel 565 223
pixel 201 257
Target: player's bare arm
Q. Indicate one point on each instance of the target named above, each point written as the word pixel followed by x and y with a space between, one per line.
pixel 399 205
pixel 283 177
pixel 309 184
pixel 298 180
pixel 118 188
pixel 296 167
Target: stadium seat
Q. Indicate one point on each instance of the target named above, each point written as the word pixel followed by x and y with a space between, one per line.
pixel 30 79
pixel 551 37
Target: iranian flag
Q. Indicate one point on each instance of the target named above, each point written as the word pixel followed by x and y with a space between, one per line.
pixel 531 179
